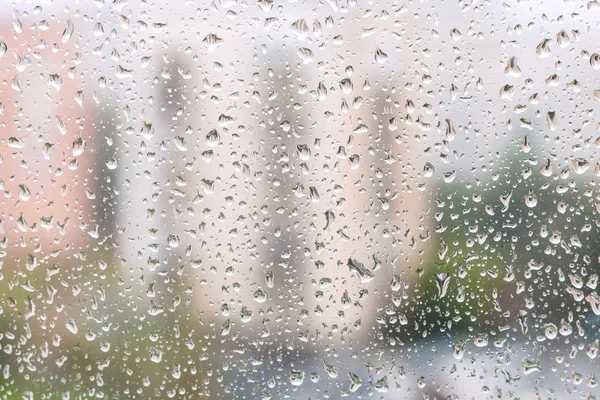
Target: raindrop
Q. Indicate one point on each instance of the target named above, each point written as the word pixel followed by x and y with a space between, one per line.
pixel 595 61
pixel 380 56
pixel 512 68
pixel 112 163
pixel 296 377
pixel 543 49
pixel 580 165
pixel 24 193
pixel 442 280
pixel 362 272
pixel 212 42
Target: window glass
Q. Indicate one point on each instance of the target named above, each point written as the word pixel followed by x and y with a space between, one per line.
pixel 299 199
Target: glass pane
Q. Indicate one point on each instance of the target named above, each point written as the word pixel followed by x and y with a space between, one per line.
pixel 307 200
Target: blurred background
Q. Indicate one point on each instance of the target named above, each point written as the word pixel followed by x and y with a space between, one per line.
pixel 302 199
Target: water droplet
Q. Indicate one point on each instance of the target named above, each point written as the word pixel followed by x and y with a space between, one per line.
pixel 112 163
pixel 458 349
pixel 212 42
pixel 595 61
pixel 381 385
pixel 442 280
pixel 455 34
pixel 71 325
pixel 543 49
pixel 260 296
pixel 428 170
pixel 363 273
pixel 380 56
pixel 512 68
pixel 78 146
pixel 24 193
pixel 300 28
pixel 355 382
pixel 330 369
pixel 296 377
pixel 529 367
pixel 550 331
pixel 68 31
pixel 580 165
